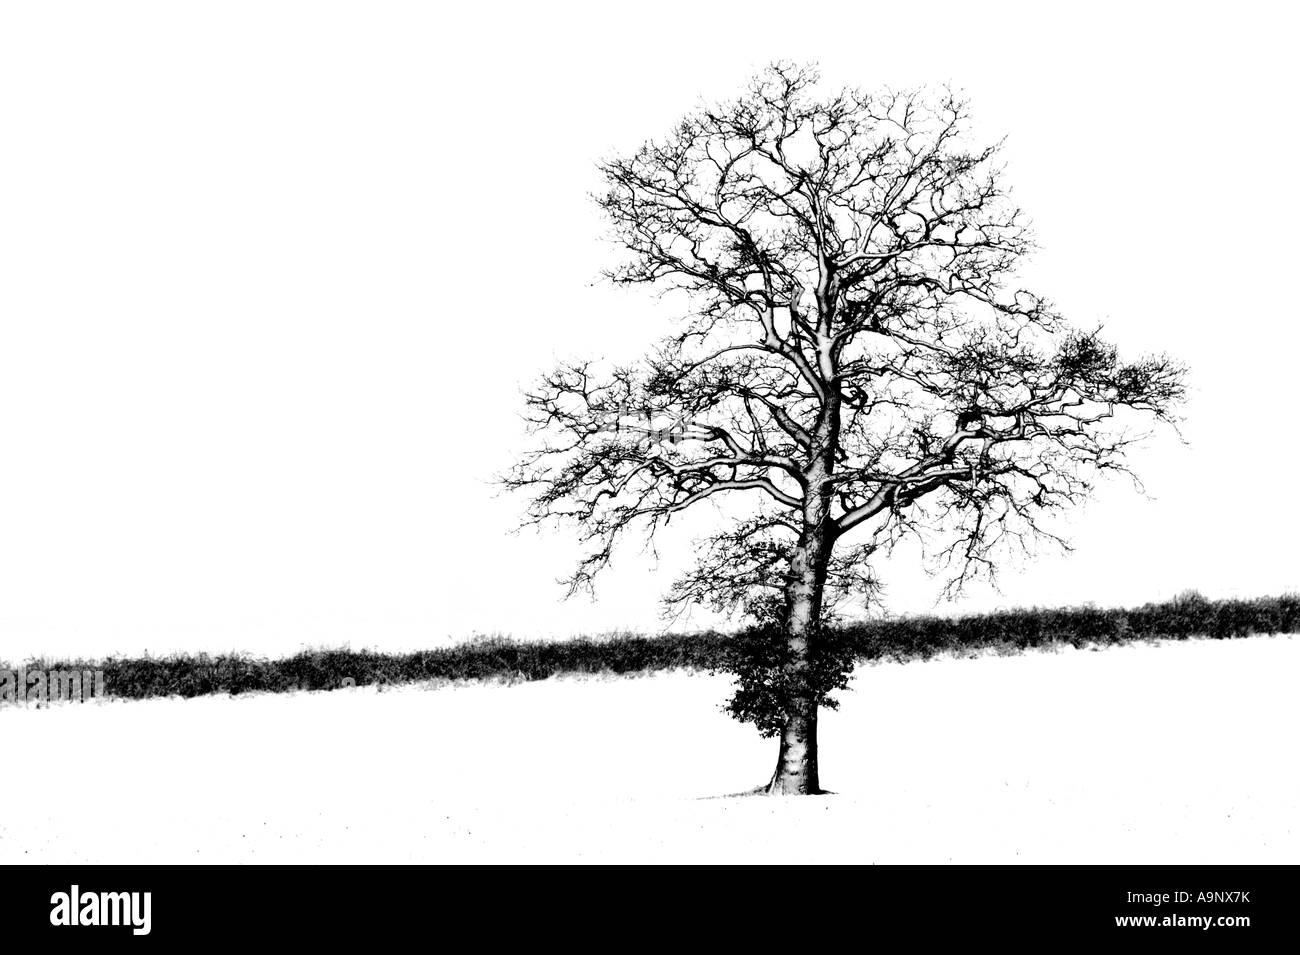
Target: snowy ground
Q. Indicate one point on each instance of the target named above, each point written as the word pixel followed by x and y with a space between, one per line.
pixel 1169 753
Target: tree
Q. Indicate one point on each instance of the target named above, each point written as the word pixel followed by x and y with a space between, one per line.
pixel 855 367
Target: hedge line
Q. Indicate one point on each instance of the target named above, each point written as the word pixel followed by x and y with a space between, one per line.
pixel 905 638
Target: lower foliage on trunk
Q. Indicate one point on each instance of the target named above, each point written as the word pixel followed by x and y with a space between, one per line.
pixel 783 679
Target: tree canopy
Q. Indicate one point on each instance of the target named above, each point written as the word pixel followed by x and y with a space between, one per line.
pixel 857 359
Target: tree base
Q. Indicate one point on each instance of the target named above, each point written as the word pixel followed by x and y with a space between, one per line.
pixel 786 786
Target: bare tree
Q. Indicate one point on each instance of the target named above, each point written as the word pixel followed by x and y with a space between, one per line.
pixel 855 367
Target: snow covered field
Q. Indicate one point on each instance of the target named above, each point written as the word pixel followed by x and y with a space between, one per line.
pixel 1168 753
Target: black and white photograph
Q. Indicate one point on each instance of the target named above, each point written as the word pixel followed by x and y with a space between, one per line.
pixel 702 434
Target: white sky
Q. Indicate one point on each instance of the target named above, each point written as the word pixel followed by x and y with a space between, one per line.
pixel 273 274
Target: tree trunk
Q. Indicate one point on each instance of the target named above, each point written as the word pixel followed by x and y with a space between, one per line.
pixel 796 763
